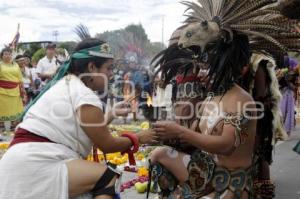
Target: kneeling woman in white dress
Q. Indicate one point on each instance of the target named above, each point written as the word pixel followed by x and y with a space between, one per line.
pixel 46 159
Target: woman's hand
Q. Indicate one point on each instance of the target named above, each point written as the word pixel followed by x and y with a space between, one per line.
pixel 147 137
pixel 121 109
pixel 167 129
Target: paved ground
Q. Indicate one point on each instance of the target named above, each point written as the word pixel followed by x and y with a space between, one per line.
pixel 285 171
pixel 131 193
pixel 286 168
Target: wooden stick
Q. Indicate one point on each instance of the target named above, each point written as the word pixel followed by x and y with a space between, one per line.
pixel 132 98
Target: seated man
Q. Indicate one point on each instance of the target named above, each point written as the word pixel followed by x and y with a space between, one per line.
pixel 217 40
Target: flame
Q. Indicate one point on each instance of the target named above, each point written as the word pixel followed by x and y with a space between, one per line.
pixel 149 100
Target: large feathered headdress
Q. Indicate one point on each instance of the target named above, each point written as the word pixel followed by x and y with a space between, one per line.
pixel 223 34
pixel 261 20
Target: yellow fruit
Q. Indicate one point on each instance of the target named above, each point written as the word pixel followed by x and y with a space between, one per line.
pixel 140 157
pixel 145 125
pixel 141 187
pixel 143 172
pixel 4 146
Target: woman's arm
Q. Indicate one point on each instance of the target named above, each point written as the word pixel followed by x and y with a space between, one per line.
pixel 23 93
pixel 94 125
pixel 109 117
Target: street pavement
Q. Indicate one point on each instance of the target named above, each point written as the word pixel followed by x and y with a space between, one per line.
pixel 285 169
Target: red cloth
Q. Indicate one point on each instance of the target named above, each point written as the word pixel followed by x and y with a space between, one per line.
pixel 180 79
pixel 135 147
pixel 10 85
pixel 22 135
pixel 95 154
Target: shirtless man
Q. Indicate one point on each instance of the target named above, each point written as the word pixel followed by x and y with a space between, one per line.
pixel 218 136
pixel 219 163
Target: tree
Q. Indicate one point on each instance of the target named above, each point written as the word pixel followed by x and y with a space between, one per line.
pixel 132 38
pixel 33 47
pixel 154 48
pixel 139 34
pixel 114 40
pixel 68 45
pixel 38 55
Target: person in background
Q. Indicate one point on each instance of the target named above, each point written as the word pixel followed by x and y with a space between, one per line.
pixel 33 76
pixel 11 90
pixel 288 85
pixel 36 80
pixel 118 86
pixel 48 65
pixel 260 81
pixel 21 61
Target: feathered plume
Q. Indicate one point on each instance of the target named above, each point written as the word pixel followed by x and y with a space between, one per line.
pixel 82 31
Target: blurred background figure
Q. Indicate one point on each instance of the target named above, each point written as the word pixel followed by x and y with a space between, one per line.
pixel 11 90
pixel 118 86
pixel 36 80
pixel 26 75
pixel 48 65
pixel 129 93
pixel 289 93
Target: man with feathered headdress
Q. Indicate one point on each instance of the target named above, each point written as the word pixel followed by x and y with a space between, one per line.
pixel 217 40
pixel 261 82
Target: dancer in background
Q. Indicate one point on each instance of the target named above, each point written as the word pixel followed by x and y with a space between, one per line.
pixel 288 89
pixel 11 90
pixel 261 82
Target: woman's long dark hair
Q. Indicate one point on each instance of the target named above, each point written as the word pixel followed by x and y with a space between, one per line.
pixel 226 61
pixel 171 60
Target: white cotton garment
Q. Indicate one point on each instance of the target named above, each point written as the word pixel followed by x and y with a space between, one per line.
pixel 52 116
pixel 47 66
pixel 36 171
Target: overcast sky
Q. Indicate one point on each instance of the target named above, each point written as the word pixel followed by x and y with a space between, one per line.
pixel 39 18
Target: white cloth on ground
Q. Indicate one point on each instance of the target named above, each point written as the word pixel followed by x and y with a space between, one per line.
pixel 36 170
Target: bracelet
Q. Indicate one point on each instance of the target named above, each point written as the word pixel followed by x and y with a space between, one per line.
pixel 133 149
